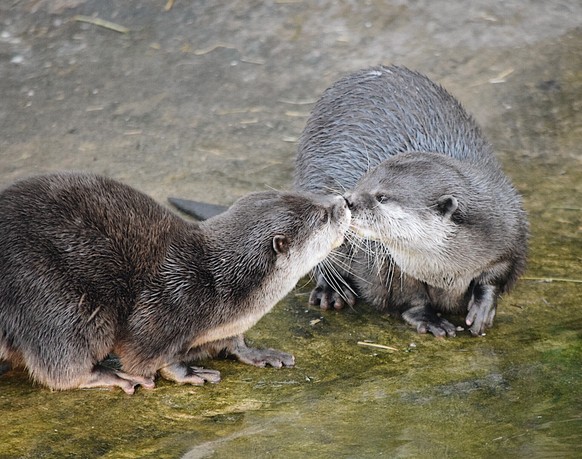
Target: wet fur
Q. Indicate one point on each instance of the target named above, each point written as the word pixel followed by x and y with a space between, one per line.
pixel 450 233
pixel 89 266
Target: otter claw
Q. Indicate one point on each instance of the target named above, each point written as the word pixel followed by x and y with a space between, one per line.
pixel 479 320
pixel 441 329
pixel 263 357
pixel 481 310
pixel 327 298
pixel 102 376
pixel 185 374
pixel 425 320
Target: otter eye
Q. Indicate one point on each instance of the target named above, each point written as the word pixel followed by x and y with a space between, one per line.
pixel 324 216
pixel 382 198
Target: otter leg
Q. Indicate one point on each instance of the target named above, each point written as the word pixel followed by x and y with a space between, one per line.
pixel 426 320
pixel 482 307
pixel 185 374
pixel 237 348
pixel 327 296
pixel 102 376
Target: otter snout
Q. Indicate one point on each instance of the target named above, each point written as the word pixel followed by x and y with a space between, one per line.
pixel 341 215
pixel 339 208
pixel 356 201
pixel 349 200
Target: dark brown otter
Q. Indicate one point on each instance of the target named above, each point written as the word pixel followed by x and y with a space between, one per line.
pixel 89 266
pixel 437 225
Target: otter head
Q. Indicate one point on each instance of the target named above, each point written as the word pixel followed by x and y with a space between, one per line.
pixel 420 207
pixel 269 240
pixel 303 228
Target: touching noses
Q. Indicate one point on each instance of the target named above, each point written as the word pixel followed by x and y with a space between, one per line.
pixel 339 208
pixel 349 200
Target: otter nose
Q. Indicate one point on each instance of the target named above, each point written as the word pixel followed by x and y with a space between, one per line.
pixel 349 200
pixel 339 207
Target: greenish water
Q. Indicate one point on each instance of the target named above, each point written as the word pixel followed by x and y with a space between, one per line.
pixel 517 392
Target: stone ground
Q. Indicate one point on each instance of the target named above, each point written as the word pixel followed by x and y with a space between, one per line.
pixel 208 98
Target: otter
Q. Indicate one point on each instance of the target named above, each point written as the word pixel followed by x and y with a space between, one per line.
pixel 91 267
pixel 436 225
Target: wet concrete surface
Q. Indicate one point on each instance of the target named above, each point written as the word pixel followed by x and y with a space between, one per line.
pixel 206 100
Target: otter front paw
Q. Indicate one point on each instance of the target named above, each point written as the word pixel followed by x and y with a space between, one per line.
pixel 481 309
pixel 185 374
pixel 425 320
pixel 327 297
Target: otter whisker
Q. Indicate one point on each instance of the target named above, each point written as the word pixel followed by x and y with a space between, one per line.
pixel 338 263
pixel 390 275
pixel 329 277
pixel 324 173
pixel 367 157
pixel 333 191
pixel 356 240
pixel 343 259
pixel 310 279
pixel 347 269
pixel 341 279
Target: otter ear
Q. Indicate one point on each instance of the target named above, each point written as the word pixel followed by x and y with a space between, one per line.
pixel 447 205
pixel 280 244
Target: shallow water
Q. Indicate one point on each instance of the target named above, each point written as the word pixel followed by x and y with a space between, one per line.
pixel 207 102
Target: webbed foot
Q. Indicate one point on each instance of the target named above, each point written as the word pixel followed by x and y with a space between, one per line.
pixel 186 374
pixel 425 320
pixel 102 376
pixel 236 347
pixel 263 357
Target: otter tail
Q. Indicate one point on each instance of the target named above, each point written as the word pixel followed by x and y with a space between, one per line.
pixel 198 210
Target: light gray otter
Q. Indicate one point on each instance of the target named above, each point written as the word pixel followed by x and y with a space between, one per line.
pixel 438 227
pixel 89 267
